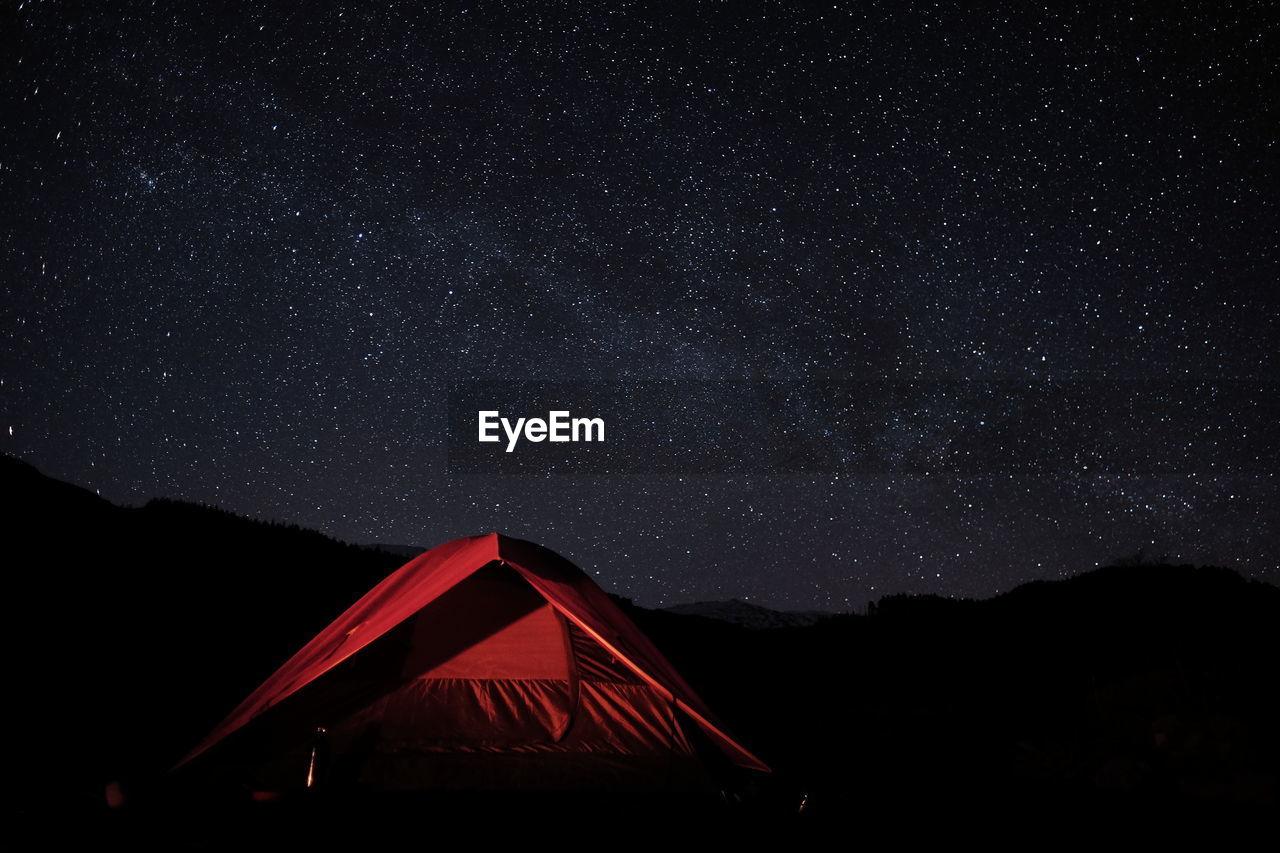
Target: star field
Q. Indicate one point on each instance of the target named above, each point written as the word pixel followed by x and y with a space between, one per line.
pixel 247 248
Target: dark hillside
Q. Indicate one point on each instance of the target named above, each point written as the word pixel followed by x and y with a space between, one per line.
pixel 153 622
pixel 1146 684
pixel 1150 684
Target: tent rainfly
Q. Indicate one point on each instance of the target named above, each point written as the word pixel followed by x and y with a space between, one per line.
pixel 487 663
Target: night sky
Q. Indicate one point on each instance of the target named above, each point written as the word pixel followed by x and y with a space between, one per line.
pixel 246 249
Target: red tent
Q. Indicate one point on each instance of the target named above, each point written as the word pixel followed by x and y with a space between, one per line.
pixel 485 663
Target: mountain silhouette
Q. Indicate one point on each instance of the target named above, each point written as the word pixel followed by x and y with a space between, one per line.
pixel 1137 684
pixel 748 615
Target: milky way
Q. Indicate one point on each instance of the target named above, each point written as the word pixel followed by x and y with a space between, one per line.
pixel 248 248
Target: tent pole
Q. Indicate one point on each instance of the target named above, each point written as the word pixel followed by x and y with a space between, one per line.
pixel 317 757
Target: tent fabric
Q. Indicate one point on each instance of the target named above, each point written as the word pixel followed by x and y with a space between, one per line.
pixel 626 729
pixel 554 667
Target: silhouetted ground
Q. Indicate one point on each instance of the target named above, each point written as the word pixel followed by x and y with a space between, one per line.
pixel 1145 691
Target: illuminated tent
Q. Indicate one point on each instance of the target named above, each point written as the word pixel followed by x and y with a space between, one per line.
pixel 487 663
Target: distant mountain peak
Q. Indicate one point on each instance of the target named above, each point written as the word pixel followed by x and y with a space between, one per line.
pixel 748 615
